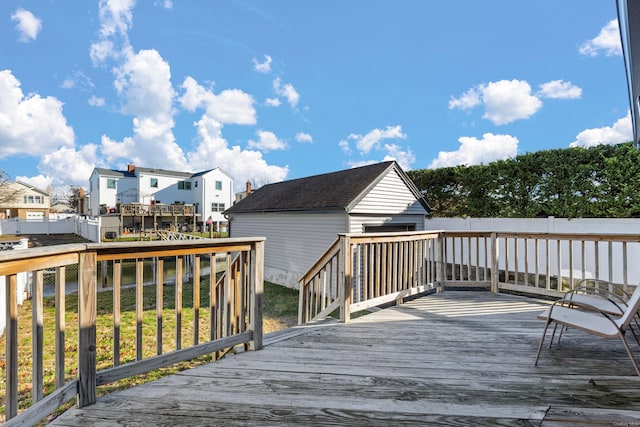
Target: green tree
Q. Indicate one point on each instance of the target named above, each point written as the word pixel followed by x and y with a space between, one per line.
pixel 576 182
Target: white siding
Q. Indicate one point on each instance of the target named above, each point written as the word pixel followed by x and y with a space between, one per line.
pixel 358 222
pixel 108 196
pixel 207 194
pixel 294 241
pixel 390 196
pixel 166 192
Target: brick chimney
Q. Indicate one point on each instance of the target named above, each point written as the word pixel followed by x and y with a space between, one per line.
pixel 248 191
pixel 131 168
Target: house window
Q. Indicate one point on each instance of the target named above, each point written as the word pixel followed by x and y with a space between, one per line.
pixel 154 183
pixel 33 200
pixel 184 185
pixel 111 183
pixel 218 185
pixel 217 207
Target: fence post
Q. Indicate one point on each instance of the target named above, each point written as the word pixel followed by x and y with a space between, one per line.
pixel 495 274
pixel 345 287
pixel 256 294
pixel 87 307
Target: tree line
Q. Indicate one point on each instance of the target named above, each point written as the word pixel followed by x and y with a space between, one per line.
pixel 596 182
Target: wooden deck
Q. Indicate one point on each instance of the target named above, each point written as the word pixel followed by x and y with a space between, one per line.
pixel 456 358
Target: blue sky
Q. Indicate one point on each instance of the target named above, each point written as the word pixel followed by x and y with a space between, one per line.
pixel 284 89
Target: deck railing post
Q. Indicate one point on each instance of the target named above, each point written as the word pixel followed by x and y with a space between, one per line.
pixel 345 286
pixel 495 274
pixel 11 342
pixel 256 294
pixel 441 271
pixel 301 302
pixel 87 310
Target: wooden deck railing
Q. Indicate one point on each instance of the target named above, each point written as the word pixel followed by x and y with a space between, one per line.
pixel 360 271
pixel 233 315
pixel 364 270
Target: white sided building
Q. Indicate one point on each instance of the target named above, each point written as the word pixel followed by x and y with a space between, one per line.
pixel 210 192
pixel 301 218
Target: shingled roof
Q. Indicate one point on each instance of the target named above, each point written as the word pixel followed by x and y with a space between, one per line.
pixel 329 191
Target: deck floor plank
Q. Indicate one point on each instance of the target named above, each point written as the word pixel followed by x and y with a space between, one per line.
pixel 456 358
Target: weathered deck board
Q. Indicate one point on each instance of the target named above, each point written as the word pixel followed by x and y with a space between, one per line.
pixel 457 358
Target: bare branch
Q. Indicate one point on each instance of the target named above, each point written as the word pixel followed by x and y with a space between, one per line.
pixel 8 192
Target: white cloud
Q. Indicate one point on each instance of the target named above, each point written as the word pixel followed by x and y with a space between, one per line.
pixel 40 181
pixel 558 89
pixel 508 100
pixel 621 131
pixel 466 101
pixel 242 165
pixel 344 146
pixel 116 18
pixel 144 83
pixel 30 125
pixel 68 166
pixel 27 25
pixel 272 102
pixel 286 90
pixel 504 101
pixel 366 143
pixel 372 141
pixel 78 80
pixel 475 151
pixel 95 101
pixel 607 41
pixel 267 141
pixel 303 137
pixel 231 106
pixel 262 67
pixel 405 158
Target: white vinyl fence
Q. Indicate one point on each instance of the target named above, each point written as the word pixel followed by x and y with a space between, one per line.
pixel 581 252
pixel 89 228
pixel 85 227
pixel 23 281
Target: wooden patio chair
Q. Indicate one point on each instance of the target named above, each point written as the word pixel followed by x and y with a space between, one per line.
pixel 594 314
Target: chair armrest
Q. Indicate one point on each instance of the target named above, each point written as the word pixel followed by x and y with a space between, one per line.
pixel 582 306
pixel 583 284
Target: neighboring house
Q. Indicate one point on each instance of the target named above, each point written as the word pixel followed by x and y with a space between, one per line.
pixel 24 201
pixel 208 192
pixel 62 208
pixel 301 218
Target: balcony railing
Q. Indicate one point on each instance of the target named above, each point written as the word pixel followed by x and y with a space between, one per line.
pixel 230 271
pixel 365 270
pixel 155 209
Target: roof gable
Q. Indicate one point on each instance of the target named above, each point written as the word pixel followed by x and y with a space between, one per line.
pixel 29 187
pixel 331 191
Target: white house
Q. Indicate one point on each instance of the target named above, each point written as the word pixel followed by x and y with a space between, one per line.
pixel 301 218
pixel 210 192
